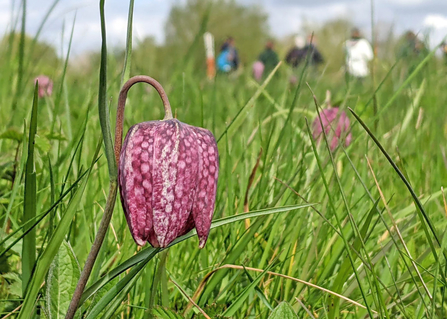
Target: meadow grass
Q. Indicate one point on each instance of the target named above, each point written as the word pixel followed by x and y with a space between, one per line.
pixel 353 233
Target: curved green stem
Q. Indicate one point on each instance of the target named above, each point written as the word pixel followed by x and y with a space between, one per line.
pixel 122 103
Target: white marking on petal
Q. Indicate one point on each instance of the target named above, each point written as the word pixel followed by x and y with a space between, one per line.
pixel 144 168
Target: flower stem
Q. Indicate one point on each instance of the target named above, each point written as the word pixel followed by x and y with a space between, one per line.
pixel 122 103
pixel 111 198
pixel 102 230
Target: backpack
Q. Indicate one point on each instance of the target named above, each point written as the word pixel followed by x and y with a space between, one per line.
pixel 223 63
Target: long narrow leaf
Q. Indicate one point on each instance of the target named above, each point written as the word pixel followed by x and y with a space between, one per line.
pixel 404 180
pixel 151 252
pixel 43 264
pixel 29 203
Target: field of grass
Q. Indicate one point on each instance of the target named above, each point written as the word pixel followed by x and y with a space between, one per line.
pixel 358 232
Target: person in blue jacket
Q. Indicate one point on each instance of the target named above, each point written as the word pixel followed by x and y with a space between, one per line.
pixel 228 59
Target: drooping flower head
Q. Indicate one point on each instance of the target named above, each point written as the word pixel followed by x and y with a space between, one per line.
pixel 168 174
pixel 45 85
pixel 336 126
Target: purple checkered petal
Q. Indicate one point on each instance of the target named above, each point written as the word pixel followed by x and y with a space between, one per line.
pixel 163 166
pixel 205 196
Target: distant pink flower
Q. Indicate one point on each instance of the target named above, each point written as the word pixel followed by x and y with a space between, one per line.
pixel 333 122
pixel 45 85
pixel 293 80
pixel 258 70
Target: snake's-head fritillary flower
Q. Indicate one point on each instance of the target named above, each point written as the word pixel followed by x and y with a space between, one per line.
pixel 336 126
pixel 45 85
pixel 168 174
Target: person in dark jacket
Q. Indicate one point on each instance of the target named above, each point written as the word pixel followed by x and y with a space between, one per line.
pixel 296 54
pixel 269 58
pixel 309 52
pixel 312 54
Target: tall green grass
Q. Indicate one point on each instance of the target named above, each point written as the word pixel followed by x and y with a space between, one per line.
pixel 365 222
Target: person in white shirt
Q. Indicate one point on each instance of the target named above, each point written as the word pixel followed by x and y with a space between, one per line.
pixel 358 54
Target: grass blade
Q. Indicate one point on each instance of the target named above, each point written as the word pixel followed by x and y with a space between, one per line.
pixel 128 56
pixel 52 248
pixel 238 119
pixel 404 180
pixel 29 203
pixel 237 303
pixel 151 252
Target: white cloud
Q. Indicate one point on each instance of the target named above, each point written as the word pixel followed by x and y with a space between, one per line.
pixel 437 24
pixel 436 21
pixel 406 2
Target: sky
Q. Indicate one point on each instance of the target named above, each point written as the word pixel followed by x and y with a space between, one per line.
pixel 285 18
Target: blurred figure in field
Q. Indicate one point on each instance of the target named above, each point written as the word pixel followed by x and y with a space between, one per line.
pixel 444 50
pixel 358 54
pixel 304 50
pixel 305 53
pixel 228 59
pixel 296 54
pixel 312 54
pixel 411 46
pixel 269 58
pixel 45 85
pixel 411 50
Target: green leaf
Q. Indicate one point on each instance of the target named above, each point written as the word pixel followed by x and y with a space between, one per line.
pixel 61 281
pixel 55 136
pixel 165 313
pixel 12 134
pixel 239 118
pixel 259 291
pixel 245 293
pixel 151 252
pixel 43 144
pixel 124 284
pixel 52 248
pixel 29 202
pixel 283 311
pixel 128 56
pixel 102 100
pixel 35 221
pixel 420 208
pixel 14 284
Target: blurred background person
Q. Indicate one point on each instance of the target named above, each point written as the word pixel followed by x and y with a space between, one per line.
pixel 304 53
pixel 411 51
pixel 444 51
pixel 304 50
pixel 311 52
pixel 411 46
pixel 296 54
pixel 268 57
pixel 358 54
pixel 228 59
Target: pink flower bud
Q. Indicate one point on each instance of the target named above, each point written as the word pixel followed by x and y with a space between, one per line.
pixel 168 174
pixel 45 85
pixel 336 125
